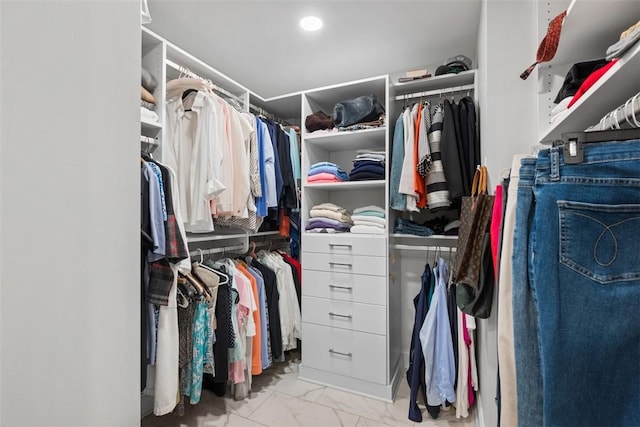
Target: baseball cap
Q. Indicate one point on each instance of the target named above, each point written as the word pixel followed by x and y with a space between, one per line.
pixel 454 65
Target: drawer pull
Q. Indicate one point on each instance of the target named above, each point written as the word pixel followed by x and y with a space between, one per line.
pixel 332 351
pixel 348 288
pixel 342 264
pixel 346 316
pixel 338 245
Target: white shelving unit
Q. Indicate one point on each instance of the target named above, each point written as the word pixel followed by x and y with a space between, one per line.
pixel 164 61
pixel 620 82
pixel 443 81
pixel 346 186
pixel 153 52
pixel 578 43
pixel 351 336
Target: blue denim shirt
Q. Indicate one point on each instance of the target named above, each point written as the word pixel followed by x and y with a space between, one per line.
pixel 398 201
pixel 437 346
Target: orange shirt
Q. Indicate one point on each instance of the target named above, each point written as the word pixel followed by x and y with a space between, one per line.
pixel 418 181
pixel 256 356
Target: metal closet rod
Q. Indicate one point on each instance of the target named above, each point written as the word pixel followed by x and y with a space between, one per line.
pixel 422 248
pixel 260 110
pixel 443 91
pixel 233 248
pixel 185 70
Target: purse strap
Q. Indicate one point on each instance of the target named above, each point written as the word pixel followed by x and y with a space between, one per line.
pixel 479 185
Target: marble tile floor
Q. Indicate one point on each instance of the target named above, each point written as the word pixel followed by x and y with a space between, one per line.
pixel 280 399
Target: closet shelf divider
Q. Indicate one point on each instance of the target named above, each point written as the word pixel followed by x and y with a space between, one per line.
pixel 347 185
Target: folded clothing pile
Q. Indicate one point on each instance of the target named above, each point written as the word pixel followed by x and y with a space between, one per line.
pixel 369 220
pixel 368 165
pixel 326 172
pixel 444 226
pixel 147 100
pixel 329 218
pixel 406 226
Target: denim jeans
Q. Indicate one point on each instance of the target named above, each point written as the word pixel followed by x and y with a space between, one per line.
pixel 525 317
pixel 584 264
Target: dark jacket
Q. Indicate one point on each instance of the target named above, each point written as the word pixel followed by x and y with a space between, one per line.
pixel 450 154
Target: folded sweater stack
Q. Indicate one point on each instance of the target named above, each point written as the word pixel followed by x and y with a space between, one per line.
pixel 368 165
pixel 326 172
pixel 329 218
pixel 369 220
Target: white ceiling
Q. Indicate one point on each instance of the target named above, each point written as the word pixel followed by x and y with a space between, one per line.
pixel 260 44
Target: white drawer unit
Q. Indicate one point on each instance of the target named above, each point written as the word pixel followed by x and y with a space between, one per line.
pixel 355 354
pixel 352 338
pixel 345 315
pixel 353 264
pixel 335 285
pixel 345 244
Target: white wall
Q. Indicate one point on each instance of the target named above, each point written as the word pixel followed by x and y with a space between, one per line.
pixel 507 44
pixel 70 211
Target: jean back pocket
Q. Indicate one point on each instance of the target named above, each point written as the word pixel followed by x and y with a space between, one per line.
pixel 600 242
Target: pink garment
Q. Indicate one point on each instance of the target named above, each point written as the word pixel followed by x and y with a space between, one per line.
pixel 496 221
pixel 324 177
pixel 467 341
pixel 236 369
pixel 590 81
pixel 244 306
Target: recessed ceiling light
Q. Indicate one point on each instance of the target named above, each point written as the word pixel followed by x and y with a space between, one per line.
pixel 311 23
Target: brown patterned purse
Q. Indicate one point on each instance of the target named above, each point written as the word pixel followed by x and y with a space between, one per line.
pixel 475 216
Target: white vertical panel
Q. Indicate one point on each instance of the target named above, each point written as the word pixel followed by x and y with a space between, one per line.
pixel 70 308
pixel 507 45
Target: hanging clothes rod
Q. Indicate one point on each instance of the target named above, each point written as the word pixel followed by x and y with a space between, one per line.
pixel 261 111
pixel 443 91
pixel 222 249
pixel 184 70
pixel 628 114
pixel 419 248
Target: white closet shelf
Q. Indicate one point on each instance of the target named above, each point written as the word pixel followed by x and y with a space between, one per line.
pixel 437 240
pixel 619 83
pixel 433 83
pixel 349 140
pixel 147 125
pixel 210 237
pixel 580 41
pixel 347 185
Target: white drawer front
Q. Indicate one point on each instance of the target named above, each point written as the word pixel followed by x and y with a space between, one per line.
pixel 354 354
pixel 353 264
pixel 345 286
pixel 346 315
pixel 345 244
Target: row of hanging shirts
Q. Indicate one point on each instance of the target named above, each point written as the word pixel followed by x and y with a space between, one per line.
pixel 442 359
pixel 235 318
pixel 231 165
pixel 435 152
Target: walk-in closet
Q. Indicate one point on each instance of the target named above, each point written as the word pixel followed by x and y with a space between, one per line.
pixel 384 213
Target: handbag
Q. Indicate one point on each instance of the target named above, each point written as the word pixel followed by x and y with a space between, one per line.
pixel 477 302
pixel 357 110
pixel 475 215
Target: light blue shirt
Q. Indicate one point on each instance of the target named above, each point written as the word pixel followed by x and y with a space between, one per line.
pixel 261 202
pixel 398 200
pixel 269 167
pixel 155 215
pixel 158 172
pixel 295 153
pixel 437 346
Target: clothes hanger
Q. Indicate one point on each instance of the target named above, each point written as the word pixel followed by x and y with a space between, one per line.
pixel 224 279
pixel 633 115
